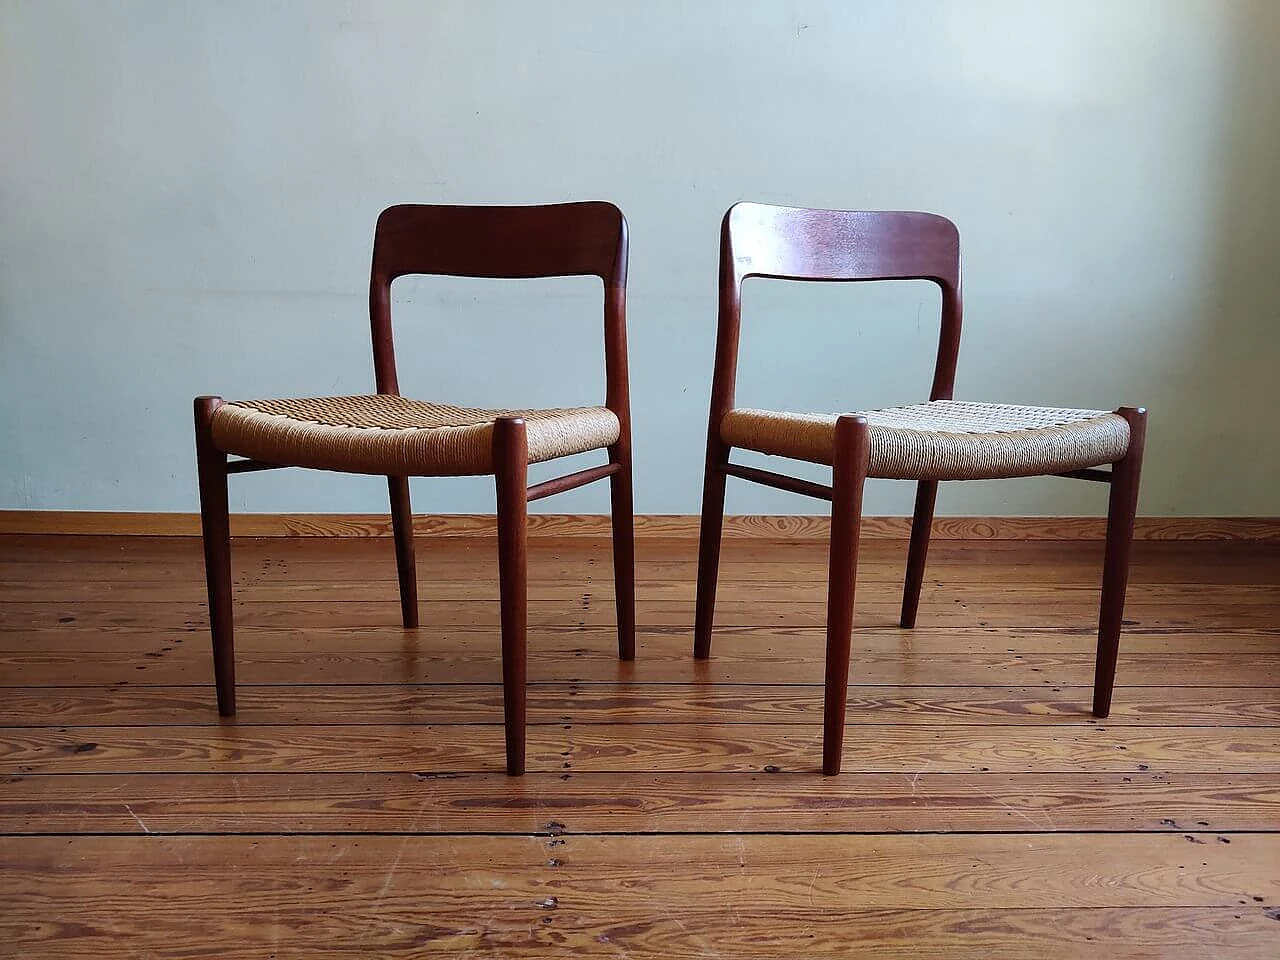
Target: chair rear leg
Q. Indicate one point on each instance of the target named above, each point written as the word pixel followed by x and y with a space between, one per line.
pixel 406 566
pixel 917 553
pixel 211 466
pixel 848 476
pixel 511 470
pixel 1121 509
pixel 709 548
pixel 624 561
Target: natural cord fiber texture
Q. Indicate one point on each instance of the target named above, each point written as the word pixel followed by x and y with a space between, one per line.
pixel 396 436
pixel 945 439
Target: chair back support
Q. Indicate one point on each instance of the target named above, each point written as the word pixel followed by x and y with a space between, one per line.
pixel 798 243
pixel 794 243
pixel 552 240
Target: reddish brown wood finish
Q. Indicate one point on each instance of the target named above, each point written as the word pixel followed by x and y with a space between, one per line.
pixel 620 504
pixel 848 475
pixel 723 381
pixel 511 473
pixel 918 551
pixel 1121 509
pixel 211 465
pixel 572 481
pixel 402 530
pixel 789 243
pixel 568 239
pixel 709 537
pixel 819 491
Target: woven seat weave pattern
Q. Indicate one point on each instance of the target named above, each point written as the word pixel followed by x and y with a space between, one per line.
pixel 945 439
pixel 396 436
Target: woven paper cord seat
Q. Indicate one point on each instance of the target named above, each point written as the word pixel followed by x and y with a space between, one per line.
pixel 945 439
pixel 392 435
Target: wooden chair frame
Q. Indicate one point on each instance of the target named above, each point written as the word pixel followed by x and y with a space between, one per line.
pixel 790 243
pixel 570 239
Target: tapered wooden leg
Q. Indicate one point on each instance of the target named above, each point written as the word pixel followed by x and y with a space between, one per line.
pixel 511 469
pixel 624 550
pixel 1121 509
pixel 848 477
pixel 406 567
pixel 211 465
pixel 709 548
pixel 918 552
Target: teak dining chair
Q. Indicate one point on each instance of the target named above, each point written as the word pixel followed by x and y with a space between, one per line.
pixel 387 434
pixel 943 439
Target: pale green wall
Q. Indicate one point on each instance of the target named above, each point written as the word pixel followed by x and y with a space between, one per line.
pixel 187 193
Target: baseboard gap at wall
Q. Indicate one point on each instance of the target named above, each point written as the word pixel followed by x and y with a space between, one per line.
pixel 760 527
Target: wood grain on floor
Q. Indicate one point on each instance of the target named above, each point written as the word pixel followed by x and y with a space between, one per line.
pixel 356 805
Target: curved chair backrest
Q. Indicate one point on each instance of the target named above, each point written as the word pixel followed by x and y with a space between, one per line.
pixel 799 243
pixel 551 240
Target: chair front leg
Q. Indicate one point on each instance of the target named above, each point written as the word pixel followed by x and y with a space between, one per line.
pixel 1122 507
pixel 511 471
pixel 710 532
pixel 406 566
pixel 848 478
pixel 624 560
pixel 918 552
pixel 215 524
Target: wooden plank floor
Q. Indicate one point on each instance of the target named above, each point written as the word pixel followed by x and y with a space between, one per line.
pixel 672 809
